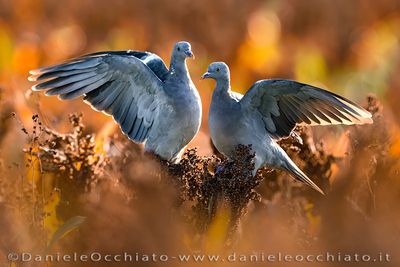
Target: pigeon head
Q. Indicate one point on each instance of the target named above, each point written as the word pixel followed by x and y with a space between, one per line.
pixel 182 50
pixel 217 71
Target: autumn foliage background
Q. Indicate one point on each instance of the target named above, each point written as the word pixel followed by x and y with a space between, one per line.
pixel 128 200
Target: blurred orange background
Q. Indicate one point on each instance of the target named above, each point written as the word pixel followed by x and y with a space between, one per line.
pixel 349 47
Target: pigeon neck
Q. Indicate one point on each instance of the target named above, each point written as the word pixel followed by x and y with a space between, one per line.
pixel 223 86
pixel 178 66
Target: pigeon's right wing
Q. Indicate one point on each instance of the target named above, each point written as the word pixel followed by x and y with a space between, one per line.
pixel 154 62
pixel 119 85
pixel 283 104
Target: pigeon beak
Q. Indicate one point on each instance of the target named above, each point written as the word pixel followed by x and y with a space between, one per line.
pixel 189 53
pixel 205 76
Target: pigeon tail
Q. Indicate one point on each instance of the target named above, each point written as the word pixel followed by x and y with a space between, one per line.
pixel 291 167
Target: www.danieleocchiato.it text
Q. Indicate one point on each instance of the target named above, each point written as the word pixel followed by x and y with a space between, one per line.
pixel 198 257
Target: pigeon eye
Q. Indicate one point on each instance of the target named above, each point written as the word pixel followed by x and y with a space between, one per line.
pixel 179 49
pixel 217 69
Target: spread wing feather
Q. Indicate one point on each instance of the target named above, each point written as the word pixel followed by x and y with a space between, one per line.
pixel 124 84
pixel 284 103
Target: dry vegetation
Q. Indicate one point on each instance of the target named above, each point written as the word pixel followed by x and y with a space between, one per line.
pixel 131 200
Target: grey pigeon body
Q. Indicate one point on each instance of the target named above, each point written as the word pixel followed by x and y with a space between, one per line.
pixel 152 104
pixel 268 112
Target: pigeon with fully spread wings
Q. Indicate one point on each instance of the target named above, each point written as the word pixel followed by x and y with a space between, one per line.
pixel 151 104
pixel 268 112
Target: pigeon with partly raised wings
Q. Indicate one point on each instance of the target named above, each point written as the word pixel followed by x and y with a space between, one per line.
pixel 151 103
pixel 268 112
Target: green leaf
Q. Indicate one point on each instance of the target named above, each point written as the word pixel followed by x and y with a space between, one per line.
pixel 65 229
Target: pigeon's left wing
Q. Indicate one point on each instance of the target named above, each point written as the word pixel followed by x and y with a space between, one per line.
pixel 284 103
